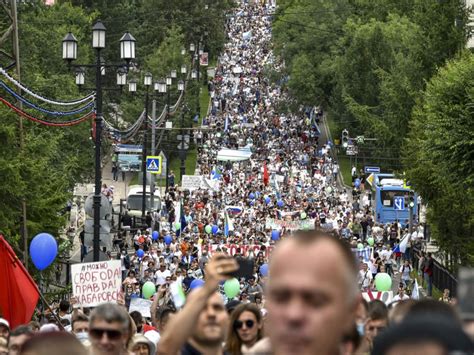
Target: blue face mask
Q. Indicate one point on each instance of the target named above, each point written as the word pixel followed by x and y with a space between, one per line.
pixel 360 328
pixel 82 336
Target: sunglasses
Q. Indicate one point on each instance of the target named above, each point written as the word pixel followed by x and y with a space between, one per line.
pixel 112 334
pixel 248 323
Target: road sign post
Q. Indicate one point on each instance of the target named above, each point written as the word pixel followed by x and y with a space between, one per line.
pixel 153 164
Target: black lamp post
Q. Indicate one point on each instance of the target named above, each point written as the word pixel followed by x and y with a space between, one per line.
pixel 182 150
pixel 127 53
pixel 147 82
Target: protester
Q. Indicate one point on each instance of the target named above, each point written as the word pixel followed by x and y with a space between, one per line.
pixel 140 345
pixel 311 302
pixel 80 327
pixel 109 328
pixel 266 175
pixel 4 328
pixel 246 328
pixel 53 343
pixel 201 326
pixel 377 321
pixel 17 338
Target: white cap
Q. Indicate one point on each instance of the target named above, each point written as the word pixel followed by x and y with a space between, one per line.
pixel 4 322
pixel 153 336
pixel 50 327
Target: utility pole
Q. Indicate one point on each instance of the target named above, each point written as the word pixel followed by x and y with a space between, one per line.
pixel 152 151
pixel 13 31
pixel 98 164
pixel 145 142
pixel 182 151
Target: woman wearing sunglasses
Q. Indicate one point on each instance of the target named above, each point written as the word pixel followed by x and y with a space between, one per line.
pixel 246 328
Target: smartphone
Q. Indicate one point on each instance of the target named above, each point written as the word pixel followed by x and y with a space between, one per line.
pixel 245 269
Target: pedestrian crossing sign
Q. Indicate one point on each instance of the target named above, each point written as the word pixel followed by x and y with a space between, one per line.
pixel 153 164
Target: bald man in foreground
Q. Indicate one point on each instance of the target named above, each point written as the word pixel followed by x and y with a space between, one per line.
pixel 312 294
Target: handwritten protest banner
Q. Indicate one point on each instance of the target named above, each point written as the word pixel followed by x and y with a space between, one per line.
pixel 96 283
pixel 305 224
pixel 245 250
pixel 191 182
pixel 141 305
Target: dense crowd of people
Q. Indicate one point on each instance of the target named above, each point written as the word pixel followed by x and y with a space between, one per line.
pixel 285 201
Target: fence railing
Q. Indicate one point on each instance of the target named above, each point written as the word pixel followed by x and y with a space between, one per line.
pixel 442 277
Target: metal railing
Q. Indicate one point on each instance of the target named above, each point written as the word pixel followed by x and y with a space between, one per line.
pixel 442 277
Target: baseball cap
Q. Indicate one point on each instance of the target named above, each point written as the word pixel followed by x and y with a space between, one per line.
pixel 4 322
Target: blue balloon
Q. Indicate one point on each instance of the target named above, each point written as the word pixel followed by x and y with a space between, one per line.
pixel 280 203
pixel 267 200
pixel 168 239
pixel 275 235
pixel 252 203
pixel 264 270
pixel 215 229
pixel 43 250
pixel 140 253
pixel 155 235
pixel 357 182
pixel 196 283
pixel 257 194
pixel 252 196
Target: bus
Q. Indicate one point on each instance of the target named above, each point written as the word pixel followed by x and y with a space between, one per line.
pixel 391 198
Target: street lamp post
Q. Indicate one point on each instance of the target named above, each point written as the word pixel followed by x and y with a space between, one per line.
pixel 147 82
pixel 127 53
pixel 182 151
pixel 160 88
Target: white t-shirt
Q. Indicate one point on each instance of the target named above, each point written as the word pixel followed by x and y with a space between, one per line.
pixel 364 278
pixel 386 256
pixel 397 298
pixel 161 276
pixel 405 271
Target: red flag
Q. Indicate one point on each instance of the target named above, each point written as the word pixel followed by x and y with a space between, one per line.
pixel 266 176
pixel 18 291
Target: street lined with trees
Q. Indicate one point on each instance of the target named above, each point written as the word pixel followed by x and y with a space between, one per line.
pixel 386 70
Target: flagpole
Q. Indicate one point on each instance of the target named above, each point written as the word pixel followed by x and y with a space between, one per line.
pixel 44 302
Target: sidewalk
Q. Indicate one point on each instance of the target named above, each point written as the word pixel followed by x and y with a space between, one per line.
pixel 120 186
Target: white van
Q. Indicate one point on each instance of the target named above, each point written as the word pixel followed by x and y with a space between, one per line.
pixel 135 198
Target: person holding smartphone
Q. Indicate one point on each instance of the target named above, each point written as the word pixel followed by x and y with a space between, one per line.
pixel 201 326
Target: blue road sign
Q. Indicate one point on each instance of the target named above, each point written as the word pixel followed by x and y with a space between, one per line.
pixel 153 164
pixel 371 169
pixel 399 203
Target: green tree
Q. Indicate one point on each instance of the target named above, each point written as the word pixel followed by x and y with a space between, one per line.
pixel 378 75
pixel 438 157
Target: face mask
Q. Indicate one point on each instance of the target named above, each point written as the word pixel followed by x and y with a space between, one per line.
pixel 360 329
pixel 82 336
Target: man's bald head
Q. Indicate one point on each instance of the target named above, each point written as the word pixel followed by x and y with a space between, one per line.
pixel 311 294
pixel 324 242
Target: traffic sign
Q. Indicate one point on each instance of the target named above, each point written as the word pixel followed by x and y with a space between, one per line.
pixel 153 164
pixel 360 139
pixel 399 203
pixel 352 150
pixel 371 169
